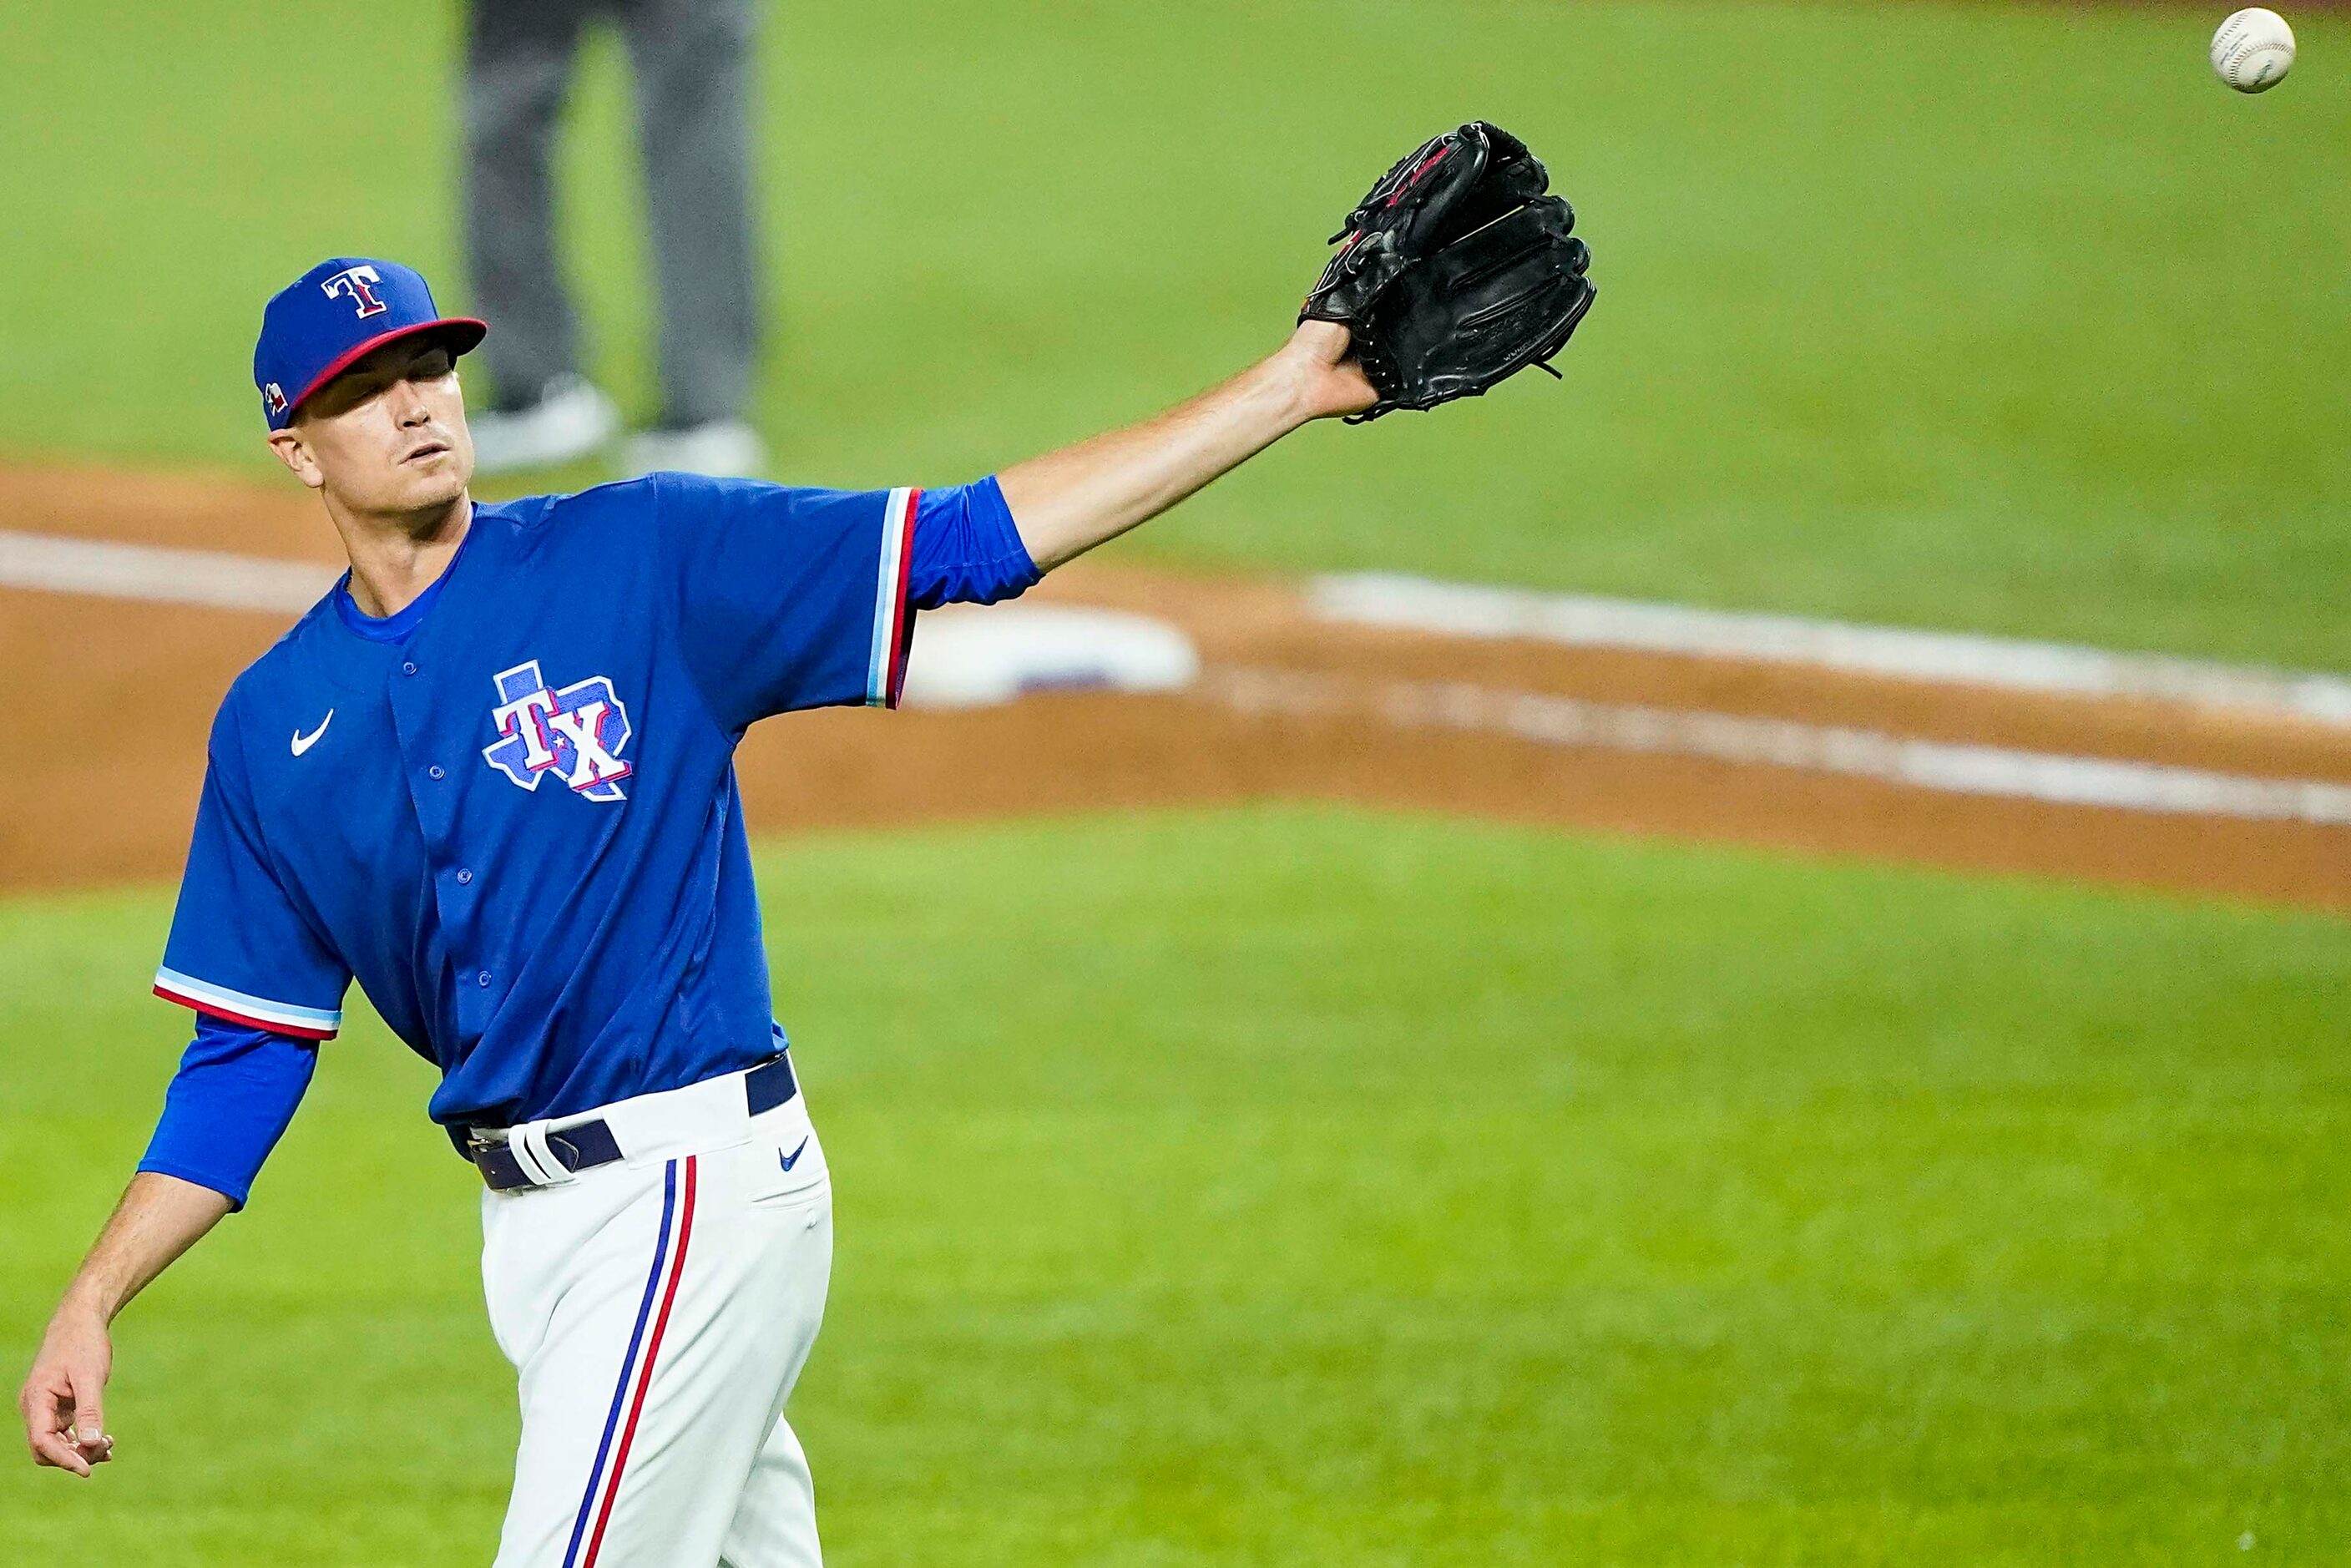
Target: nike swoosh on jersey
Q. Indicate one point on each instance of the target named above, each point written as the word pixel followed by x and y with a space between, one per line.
pixel 793 1158
pixel 303 743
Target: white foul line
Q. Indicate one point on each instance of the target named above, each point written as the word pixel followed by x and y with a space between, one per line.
pixel 1785 743
pixel 1466 609
pixel 114 571
pixel 222 580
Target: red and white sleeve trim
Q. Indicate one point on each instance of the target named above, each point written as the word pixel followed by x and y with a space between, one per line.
pixel 257 1012
pixel 885 670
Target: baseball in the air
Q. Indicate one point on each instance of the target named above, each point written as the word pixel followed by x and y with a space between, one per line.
pixel 2253 49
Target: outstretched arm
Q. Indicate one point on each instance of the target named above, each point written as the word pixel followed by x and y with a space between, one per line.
pixel 1067 502
pixel 160 1218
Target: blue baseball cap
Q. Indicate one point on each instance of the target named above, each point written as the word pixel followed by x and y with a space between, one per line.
pixel 318 325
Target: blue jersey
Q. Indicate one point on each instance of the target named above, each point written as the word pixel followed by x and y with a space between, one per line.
pixel 518 827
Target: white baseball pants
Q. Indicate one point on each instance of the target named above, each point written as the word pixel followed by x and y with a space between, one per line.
pixel 658 1310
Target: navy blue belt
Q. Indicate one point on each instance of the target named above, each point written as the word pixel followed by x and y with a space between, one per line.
pixel 587 1144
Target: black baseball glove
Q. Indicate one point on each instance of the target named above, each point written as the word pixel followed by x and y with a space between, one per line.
pixel 1455 272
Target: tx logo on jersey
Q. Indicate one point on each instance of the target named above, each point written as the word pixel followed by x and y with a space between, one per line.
pixel 575 732
pixel 352 283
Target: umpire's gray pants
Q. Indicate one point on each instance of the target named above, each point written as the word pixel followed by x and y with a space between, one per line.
pixel 692 61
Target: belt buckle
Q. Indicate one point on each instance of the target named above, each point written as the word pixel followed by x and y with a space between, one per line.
pixel 529 1145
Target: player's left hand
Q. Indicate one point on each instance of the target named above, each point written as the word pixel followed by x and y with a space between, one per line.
pixel 1331 382
pixel 1455 271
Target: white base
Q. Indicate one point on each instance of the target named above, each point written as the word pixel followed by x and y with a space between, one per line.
pixel 975 655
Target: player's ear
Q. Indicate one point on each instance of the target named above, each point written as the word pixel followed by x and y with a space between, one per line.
pixel 295 454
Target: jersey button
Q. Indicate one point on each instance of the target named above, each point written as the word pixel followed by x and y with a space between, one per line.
pixel 464 877
pixel 409 668
pixel 436 771
pixel 483 978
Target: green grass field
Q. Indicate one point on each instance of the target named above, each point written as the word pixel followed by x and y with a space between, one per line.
pixel 1295 1186
pixel 1950 314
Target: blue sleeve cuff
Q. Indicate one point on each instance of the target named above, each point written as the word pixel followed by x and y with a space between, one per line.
pixel 965 549
pixel 232 1100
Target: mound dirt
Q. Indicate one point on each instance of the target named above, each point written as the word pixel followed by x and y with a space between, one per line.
pixel 114 698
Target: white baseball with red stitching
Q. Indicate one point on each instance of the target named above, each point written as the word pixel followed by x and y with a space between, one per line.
pixel 2253 49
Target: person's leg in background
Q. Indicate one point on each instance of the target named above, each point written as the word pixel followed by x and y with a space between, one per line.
pixel 520 56
pixel 693 61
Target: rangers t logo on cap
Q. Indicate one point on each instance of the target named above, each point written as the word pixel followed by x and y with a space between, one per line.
pixel 323 322
pixel 353 281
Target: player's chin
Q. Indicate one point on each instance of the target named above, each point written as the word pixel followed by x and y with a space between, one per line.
pixel 432 478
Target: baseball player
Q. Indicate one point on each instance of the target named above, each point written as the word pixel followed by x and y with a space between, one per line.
pixel 490 777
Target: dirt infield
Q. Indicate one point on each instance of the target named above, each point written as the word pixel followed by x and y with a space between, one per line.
pixel 114 698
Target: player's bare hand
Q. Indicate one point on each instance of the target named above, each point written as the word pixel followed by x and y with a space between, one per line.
pixel 1331 381
pixel 65 1422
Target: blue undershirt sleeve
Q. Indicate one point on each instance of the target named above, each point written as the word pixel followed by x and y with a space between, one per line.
pixel 232 1100
pixel 965 550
